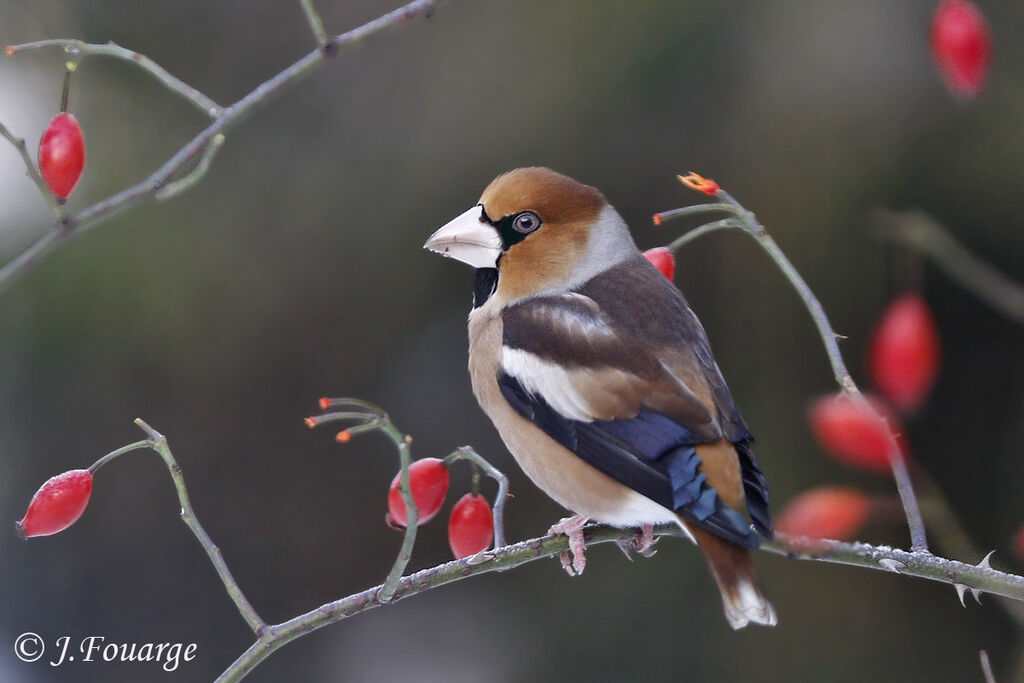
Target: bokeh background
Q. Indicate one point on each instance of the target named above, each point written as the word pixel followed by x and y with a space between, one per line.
pixel 295 270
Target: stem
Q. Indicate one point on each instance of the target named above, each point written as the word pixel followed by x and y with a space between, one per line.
pixel 373 417
pixel 79 48
pixel 986 667
pixel 681 241
pixel 119 452
pixel 66 91
pixel 315 22
pixel 196 174
pixel 688 211
pixel 750 225
pixel 467 453
pixel 920 232
pixel 31 172
pixel 917 564
pixel 918 539
pixel 158 443
pixel 225 120
pixel 387 590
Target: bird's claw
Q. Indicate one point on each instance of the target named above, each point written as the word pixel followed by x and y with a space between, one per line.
pixel 643 543
pixel 575 559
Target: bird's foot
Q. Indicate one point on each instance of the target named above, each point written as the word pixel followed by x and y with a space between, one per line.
pixel 643 543
pixel 573 528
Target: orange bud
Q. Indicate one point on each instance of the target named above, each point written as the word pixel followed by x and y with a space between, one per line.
pixel 697 182
pixel 343 436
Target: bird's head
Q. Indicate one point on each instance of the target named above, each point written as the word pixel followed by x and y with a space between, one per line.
pixel 540 231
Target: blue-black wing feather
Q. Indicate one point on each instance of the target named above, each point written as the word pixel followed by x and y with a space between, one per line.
pixel 650 453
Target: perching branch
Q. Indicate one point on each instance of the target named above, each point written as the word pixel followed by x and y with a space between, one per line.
pixel 918 231
pixel 746 221
pixel 918 564
pixel 269 638
pixel 225 119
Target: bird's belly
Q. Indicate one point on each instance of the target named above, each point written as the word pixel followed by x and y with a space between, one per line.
pixel 561 474
pixel 578 486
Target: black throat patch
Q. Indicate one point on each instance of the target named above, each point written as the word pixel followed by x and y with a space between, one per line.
pixel 485 284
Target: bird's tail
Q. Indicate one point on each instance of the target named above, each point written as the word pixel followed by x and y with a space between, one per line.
pixel 742 597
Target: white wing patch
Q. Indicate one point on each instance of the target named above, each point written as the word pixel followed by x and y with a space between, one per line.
pixel 548 381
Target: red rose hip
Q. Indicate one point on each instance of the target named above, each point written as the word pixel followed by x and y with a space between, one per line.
pixel 57 504
pixel 905 353
pixel 825 512
pixel 663 260
pixel 62 154
pixel 961 46
pixel 428 481
pixel 852 432
pixel 471 526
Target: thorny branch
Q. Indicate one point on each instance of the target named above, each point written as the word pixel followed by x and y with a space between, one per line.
pixel 744 220
pixel 271 637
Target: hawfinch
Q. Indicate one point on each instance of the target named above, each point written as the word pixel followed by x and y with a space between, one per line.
pixel 600 379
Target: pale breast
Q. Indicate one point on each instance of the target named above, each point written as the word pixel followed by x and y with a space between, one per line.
pixel 561 474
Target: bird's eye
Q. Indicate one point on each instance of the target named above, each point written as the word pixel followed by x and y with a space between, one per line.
pixel 526 222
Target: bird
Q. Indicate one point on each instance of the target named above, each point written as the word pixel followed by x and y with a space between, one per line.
pixel 601 382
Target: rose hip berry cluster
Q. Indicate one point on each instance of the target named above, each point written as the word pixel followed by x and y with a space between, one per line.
pixel 471 524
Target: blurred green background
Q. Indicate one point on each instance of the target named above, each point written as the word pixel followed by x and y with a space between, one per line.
pixel 295 270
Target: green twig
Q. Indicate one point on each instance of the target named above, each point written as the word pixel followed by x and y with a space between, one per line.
pixel 196 174
pixel 30 169
pixel 467 453
pixel 920 232
pixel 78 48
pixel 371 417
pixel 316 24
pixel 158 443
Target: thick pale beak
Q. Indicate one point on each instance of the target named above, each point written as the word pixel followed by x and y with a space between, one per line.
pixel 468 238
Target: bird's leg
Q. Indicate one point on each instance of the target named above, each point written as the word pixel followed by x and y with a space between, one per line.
pixel 573 528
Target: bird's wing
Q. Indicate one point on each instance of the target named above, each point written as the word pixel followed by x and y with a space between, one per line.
pixel 588 382
pixel 635 296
